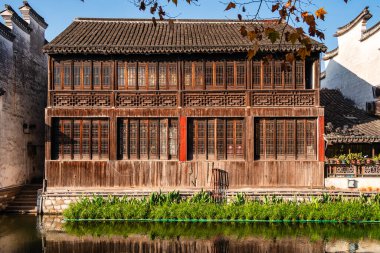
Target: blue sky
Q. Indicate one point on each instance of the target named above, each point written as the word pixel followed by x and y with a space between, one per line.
pixel 60 13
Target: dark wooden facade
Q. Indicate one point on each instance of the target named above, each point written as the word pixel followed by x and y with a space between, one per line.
pixel 165 121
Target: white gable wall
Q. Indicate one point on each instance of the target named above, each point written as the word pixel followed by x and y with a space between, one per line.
pixel 356 67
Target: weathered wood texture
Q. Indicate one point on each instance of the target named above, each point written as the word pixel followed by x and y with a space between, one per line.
pixel 142 244
pixel 185 175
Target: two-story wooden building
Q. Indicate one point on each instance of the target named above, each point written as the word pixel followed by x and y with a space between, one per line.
pixel 132 105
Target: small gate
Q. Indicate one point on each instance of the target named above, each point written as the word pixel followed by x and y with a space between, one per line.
pixel 219 184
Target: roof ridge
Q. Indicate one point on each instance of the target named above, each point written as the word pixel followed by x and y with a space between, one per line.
pixel 331 54
pixel 371 31
pixel 141 20
pixel 17 19
pixel 6 32
pixel 364 14
pixel 39 19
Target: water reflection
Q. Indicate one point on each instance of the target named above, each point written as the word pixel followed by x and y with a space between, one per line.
pixel 50 235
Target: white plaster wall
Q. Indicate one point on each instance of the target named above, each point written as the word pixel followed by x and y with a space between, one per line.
pixel 23 75
pixel 355 70
pixel 361 182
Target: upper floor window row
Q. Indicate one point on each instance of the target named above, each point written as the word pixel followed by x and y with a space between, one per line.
pixel 189 75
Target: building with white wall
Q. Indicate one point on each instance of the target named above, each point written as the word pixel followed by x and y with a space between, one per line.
pixel 353 67
pixel 23 84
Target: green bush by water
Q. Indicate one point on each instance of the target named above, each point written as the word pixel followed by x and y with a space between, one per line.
pixel 201 206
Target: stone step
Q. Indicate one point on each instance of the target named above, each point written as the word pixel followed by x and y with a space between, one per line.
pixel 23 203
pixel 21 209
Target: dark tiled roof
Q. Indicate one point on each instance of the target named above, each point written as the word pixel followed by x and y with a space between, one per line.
pixel 6 32
pixel 141 36
pixel 365 14
pixel 349 124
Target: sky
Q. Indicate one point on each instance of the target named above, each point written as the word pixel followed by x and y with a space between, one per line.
pixel 60 13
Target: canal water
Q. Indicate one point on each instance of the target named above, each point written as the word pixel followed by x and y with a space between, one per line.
pixel 22 233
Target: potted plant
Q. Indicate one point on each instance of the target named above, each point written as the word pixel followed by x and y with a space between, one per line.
pixel 376 160
pixel 342 159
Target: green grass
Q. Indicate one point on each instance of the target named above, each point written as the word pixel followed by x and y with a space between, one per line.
pixel 201 206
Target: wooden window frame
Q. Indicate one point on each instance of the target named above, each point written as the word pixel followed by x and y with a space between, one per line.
pixel 290 147
pixel 217 138
pixel 124 148
pixel 57 80
pixel 60 142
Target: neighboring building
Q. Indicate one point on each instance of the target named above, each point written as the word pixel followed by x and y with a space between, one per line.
pixel 353 66
pixel 350 130
pixel 23 86
pixel 134 106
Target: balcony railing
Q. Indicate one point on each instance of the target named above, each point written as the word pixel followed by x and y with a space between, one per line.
pixel 173 99
pixel 353 170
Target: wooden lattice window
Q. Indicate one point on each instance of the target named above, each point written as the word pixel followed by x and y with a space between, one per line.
pixel 57 75
pixel 131 72
pixel 106 75
pixel 172 76
pixel 188 75
pixel 288 76
pixel 277 75
pixel 67 76
pixel 121 75
pixel 77 75
pixel 209 74
pixel 240 74
pixel 80 139
pixel 96 75
pixel 285 139
pixel 300 75
pixel 141 76
pixel 267 75
pixel 219 74
pixel 86 75
pixel 167 76
pixel 162 77
pixel 148 138
pixel 230 75
pixel 198 75
pixel 152 76
pixel 256 75
pixel 215 138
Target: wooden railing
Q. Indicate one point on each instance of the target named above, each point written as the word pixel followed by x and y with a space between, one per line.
pixel 173 99
pixel 353 170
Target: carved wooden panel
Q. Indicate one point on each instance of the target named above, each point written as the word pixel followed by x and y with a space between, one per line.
pixel 146 100
pixel 75 99
pixel 214 99
pixel 283 98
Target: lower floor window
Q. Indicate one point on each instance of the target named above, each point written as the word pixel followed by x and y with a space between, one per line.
pixel 79 139
pixel 141 138
pixel 285 138
pixel 215 139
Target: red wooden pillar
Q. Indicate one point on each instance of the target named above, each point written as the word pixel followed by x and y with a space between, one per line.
pixel 321 141
pixel 182 138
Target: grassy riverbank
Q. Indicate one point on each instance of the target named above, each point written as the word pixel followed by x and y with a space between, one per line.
pixel 202 207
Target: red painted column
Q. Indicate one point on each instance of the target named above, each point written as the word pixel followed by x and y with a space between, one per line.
pixel 321 146
pixel 182 138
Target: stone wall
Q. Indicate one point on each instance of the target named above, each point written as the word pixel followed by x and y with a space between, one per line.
pixel 23 80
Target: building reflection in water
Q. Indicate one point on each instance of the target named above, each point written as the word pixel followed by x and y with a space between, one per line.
pixel 27 234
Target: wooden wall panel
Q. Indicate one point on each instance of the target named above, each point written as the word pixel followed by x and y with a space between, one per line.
pixel 187 175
